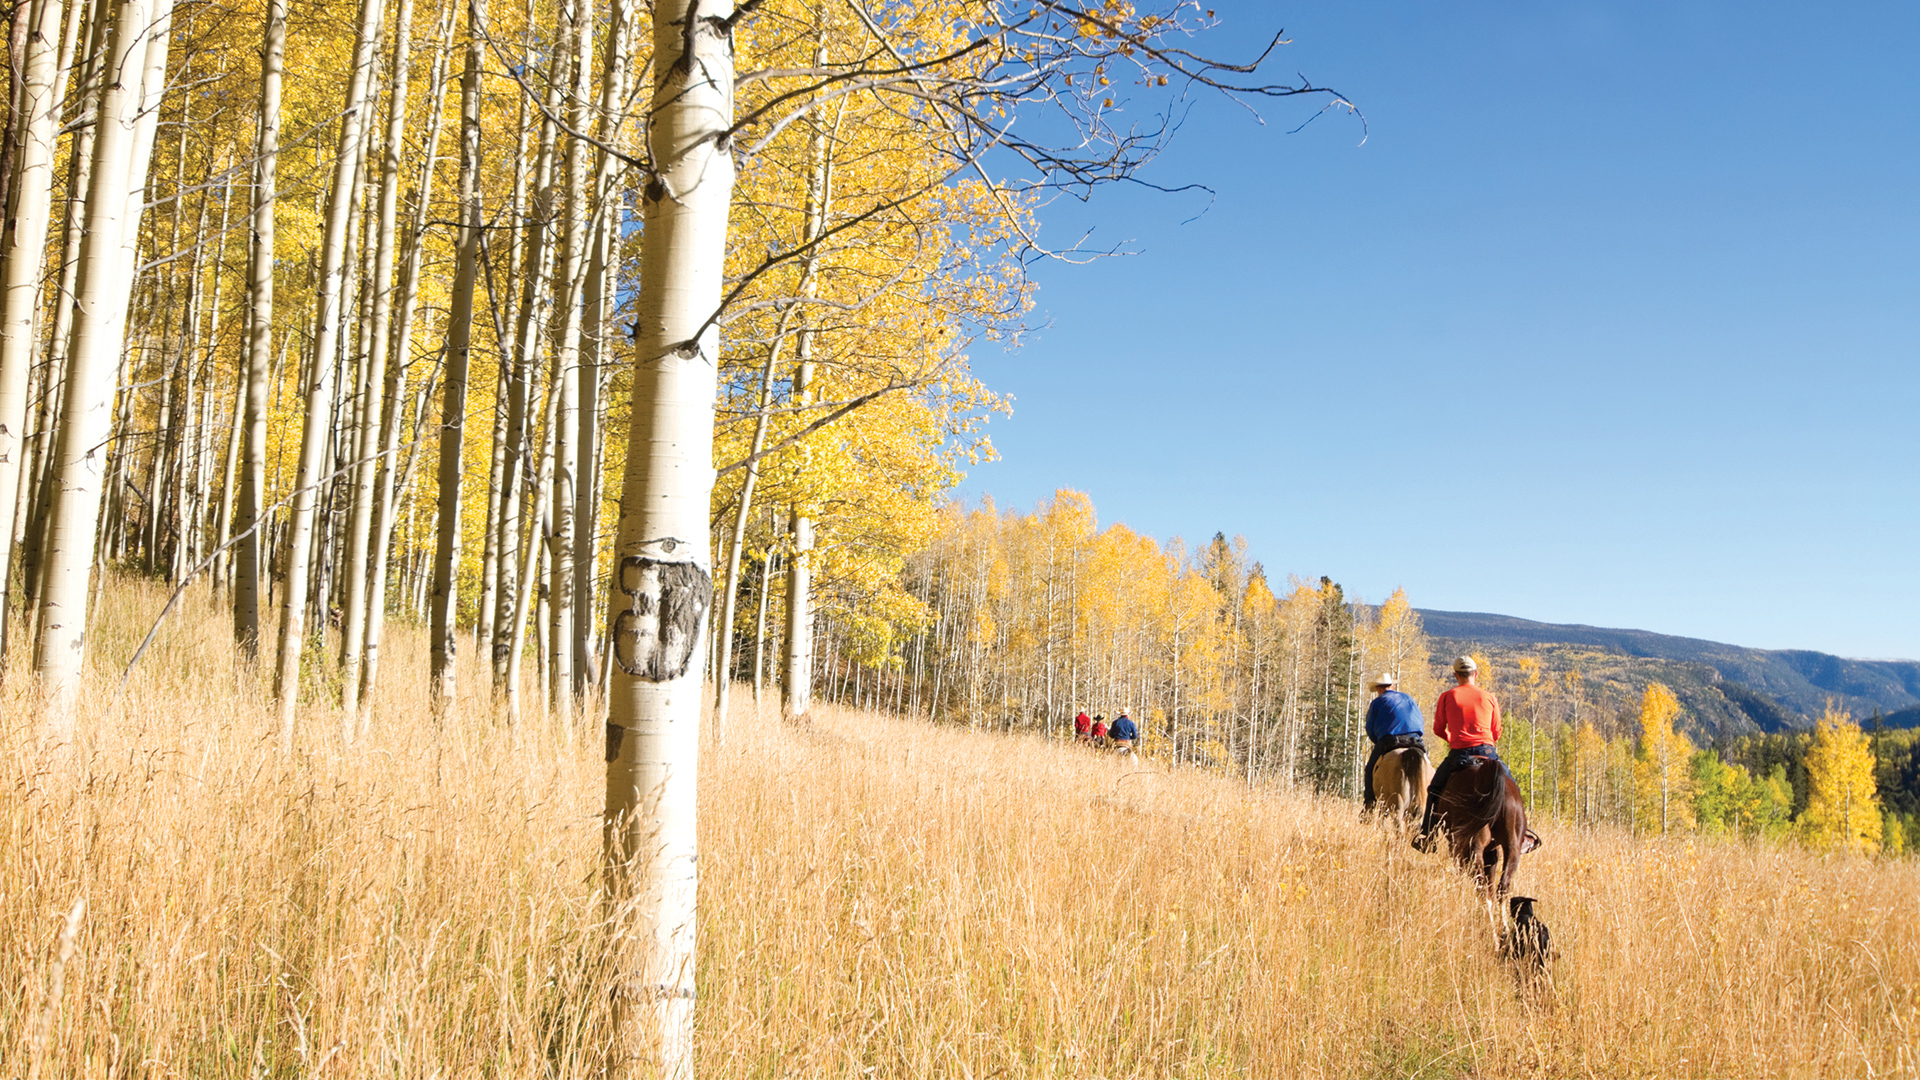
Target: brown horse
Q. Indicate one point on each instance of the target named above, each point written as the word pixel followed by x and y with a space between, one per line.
pixel 1400 780
pixel 1486 823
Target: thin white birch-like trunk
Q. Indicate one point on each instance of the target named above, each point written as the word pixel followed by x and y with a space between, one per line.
pixel 594 349
pixel 203 491
pixel 497 557
pixel 566 371
pixel 797 688
pixel 534 549
pixel 53 398
pixel 662 584
pixel 531 329
pixel 818 200
pixel 760 630
pixel 222 524
pixel 379 548
pixel 353 619
pixel 127 117
pixel 247 561
pixel 453 424
pixel 796 691
pixel 26 243
pixel 313 442
pixel 591 442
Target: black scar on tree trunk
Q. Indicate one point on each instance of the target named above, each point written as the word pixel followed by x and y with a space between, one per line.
pixel 656 637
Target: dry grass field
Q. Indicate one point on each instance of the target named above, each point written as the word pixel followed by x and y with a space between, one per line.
pixel 879 898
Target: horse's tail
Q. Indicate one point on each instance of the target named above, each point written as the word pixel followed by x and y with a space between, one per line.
pixel 1413 779
pixel 1490 799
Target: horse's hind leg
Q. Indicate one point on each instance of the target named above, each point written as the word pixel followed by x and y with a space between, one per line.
pixel 1510 849
pixel 1474 856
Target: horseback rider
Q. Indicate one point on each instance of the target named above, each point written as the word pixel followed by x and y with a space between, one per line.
pixel 1469 719
pixel 1393 723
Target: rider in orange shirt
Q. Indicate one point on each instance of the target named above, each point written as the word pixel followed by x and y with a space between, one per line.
pixel 1469 719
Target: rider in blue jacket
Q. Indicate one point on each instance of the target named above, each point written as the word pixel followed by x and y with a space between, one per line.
pixel 1393 723
pixel 1123 732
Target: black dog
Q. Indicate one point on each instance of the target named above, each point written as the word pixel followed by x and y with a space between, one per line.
pixel 1528 942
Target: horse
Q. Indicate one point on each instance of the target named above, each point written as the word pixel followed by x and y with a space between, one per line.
pixel 1486 823
pixel 1400 780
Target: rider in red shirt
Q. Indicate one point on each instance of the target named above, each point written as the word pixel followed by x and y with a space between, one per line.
pixel 1469 719
pixel 1082 726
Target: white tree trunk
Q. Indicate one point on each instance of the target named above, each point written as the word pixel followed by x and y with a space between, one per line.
pixel 319 421
pixel 453 424
pixel 26 243
pixel 509 622
pixel 248 566
pixel 128 114
pixel 566 371
pixel 53 400
pixel 819 199
pixel 353 620
pixel 662 584
pixel 379 547
pixel 594 346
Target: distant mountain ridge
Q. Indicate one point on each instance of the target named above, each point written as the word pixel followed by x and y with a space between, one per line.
pixel 1772 689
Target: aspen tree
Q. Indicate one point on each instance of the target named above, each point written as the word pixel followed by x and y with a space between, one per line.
pixel 134 76
pixel 595 350
pixel 535 550
pixel 258 353
pixel 203 489
pixel 53 398
pixel 1661 780
pixel 532 314
pixel 393 415
pixel 760 626
pixel 353 620
pixel 509 394
pixel 571 304
pixel 25 252
pixel 723 664
pixel 333 254
pixel 1843 801
pixel 662 584
pixel 796 690
pixel 459 341
pixel 818 199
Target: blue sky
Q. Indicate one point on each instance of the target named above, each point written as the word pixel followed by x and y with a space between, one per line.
pixel 1613 319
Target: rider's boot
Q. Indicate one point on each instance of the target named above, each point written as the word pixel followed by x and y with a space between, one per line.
pixel 1423 840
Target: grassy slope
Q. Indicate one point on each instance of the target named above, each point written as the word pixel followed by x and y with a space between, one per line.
pixel 879 899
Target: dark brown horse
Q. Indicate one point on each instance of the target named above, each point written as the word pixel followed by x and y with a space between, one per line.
pixel 1485 821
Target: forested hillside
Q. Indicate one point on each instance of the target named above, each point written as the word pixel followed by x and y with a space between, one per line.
pixel 1728 689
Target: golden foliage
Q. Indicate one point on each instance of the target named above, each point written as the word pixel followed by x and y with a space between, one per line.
pixel 1843 805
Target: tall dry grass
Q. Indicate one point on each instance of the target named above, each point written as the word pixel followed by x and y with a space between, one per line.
pixel 879 899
